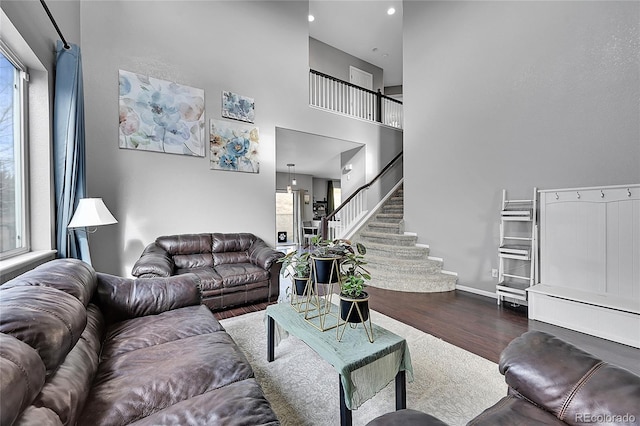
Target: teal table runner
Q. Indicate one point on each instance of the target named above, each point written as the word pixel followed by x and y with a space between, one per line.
pixel 365 368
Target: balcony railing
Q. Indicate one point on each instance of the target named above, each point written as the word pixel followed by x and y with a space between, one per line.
pixel 345 98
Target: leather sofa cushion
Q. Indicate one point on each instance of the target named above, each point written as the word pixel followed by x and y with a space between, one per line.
pixel 140 382
pixel 142 332
pixel 22 371
pixel 237 274
pixel 222 243
pixel 209 278
pixel 514 411
pixel 566 381
pixel 238 403
pixel 230 257
pixel 65 392
pixel 49 320
pixel 185 243
pixel 193 261
pixel 124 298
pixel 72 277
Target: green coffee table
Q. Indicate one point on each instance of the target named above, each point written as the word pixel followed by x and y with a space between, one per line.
pixel 356 360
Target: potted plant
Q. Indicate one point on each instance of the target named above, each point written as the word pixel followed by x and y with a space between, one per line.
pixel 326 256
pixel 354 301
pixel 296 265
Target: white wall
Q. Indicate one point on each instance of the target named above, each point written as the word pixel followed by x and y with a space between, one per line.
pixel 257 49
pixel 512 95
pixel 334 62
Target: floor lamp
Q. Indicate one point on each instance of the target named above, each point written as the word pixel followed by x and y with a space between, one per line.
pixel 91 213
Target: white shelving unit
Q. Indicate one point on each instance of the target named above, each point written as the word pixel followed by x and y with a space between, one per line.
pixel 518 248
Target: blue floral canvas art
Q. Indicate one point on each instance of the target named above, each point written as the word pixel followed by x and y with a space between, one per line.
pixel 238 107
pixel 162 116
pixel 234 147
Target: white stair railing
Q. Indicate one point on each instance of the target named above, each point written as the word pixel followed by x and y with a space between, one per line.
pixel 345 98
pixel 353 211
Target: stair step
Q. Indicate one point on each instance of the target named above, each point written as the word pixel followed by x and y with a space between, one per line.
pixel 384 227
pixel 430 283
pixel 396 252
pixel 389 217
pixel 393 201
pixel 390 239
pixel 388 266
pixel 392 209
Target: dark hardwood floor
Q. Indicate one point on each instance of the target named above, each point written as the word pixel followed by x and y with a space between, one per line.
pixel 476 323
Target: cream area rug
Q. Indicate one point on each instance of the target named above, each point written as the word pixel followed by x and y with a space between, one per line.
pixel 449 383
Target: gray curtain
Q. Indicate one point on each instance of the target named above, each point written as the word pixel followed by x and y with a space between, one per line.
pixel 69 150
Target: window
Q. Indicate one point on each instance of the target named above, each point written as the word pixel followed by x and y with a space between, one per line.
pixel 13 218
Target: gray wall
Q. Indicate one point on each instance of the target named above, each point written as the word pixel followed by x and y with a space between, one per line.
pixel 199 44
pixel 512 95
pixel 334 62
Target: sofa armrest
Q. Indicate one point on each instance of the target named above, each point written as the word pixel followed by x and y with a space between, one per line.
pixel 567 381
pixel 154 262
pixel 260 254
pixel 125 298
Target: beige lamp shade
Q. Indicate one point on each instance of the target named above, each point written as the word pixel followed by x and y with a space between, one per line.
pixel 91 212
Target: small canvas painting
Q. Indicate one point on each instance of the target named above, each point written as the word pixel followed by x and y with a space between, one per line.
pixel 162 116
pixel 238 107
pixel 234 147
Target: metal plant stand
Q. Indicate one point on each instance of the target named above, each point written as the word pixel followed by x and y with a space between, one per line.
pixel 318 304
pixel 354 307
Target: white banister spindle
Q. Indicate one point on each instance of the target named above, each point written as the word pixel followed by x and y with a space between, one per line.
pixel 347 99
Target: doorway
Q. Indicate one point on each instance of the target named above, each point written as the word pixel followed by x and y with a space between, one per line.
pixel 287 218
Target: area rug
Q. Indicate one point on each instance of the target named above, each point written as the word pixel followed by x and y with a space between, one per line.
pixel 449 383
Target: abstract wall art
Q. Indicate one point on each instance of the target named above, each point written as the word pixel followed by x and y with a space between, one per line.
pixel 162 116
pixel 238 107
pixel 234 147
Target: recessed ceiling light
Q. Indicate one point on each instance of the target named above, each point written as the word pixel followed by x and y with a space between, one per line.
pixel 391 11
pixel 312 18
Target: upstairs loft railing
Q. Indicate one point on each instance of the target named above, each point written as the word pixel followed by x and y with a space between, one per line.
pixel 352 210
pixel 345 98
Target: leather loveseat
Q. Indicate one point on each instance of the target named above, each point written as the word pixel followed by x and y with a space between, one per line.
pixel 550 382
pixel 234 269
pixel 82 348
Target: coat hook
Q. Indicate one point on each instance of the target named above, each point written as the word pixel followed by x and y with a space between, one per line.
pixel 628 192
pixel 601 194
pixel 557 196
pixel 578 192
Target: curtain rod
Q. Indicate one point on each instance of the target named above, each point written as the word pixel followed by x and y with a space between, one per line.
pixel 53 21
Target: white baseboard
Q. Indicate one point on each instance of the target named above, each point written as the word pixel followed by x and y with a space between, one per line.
pixel 476 291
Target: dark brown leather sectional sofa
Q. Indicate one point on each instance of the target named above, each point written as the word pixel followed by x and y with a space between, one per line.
pixel 234 269
pixel 82 348
pixel 551 382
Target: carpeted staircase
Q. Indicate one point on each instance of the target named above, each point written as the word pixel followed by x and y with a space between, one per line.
pixel 394 259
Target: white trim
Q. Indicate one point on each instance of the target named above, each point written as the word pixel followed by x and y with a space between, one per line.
pixel 476 291
pixel 590 188
pixel 445 272
pixel 439 259
pixel 411 234
pixel 422 245
pixel 23 260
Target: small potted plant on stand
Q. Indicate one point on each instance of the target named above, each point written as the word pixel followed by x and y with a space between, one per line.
pixel 354 301
pixel 296 265
pixel 326 256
